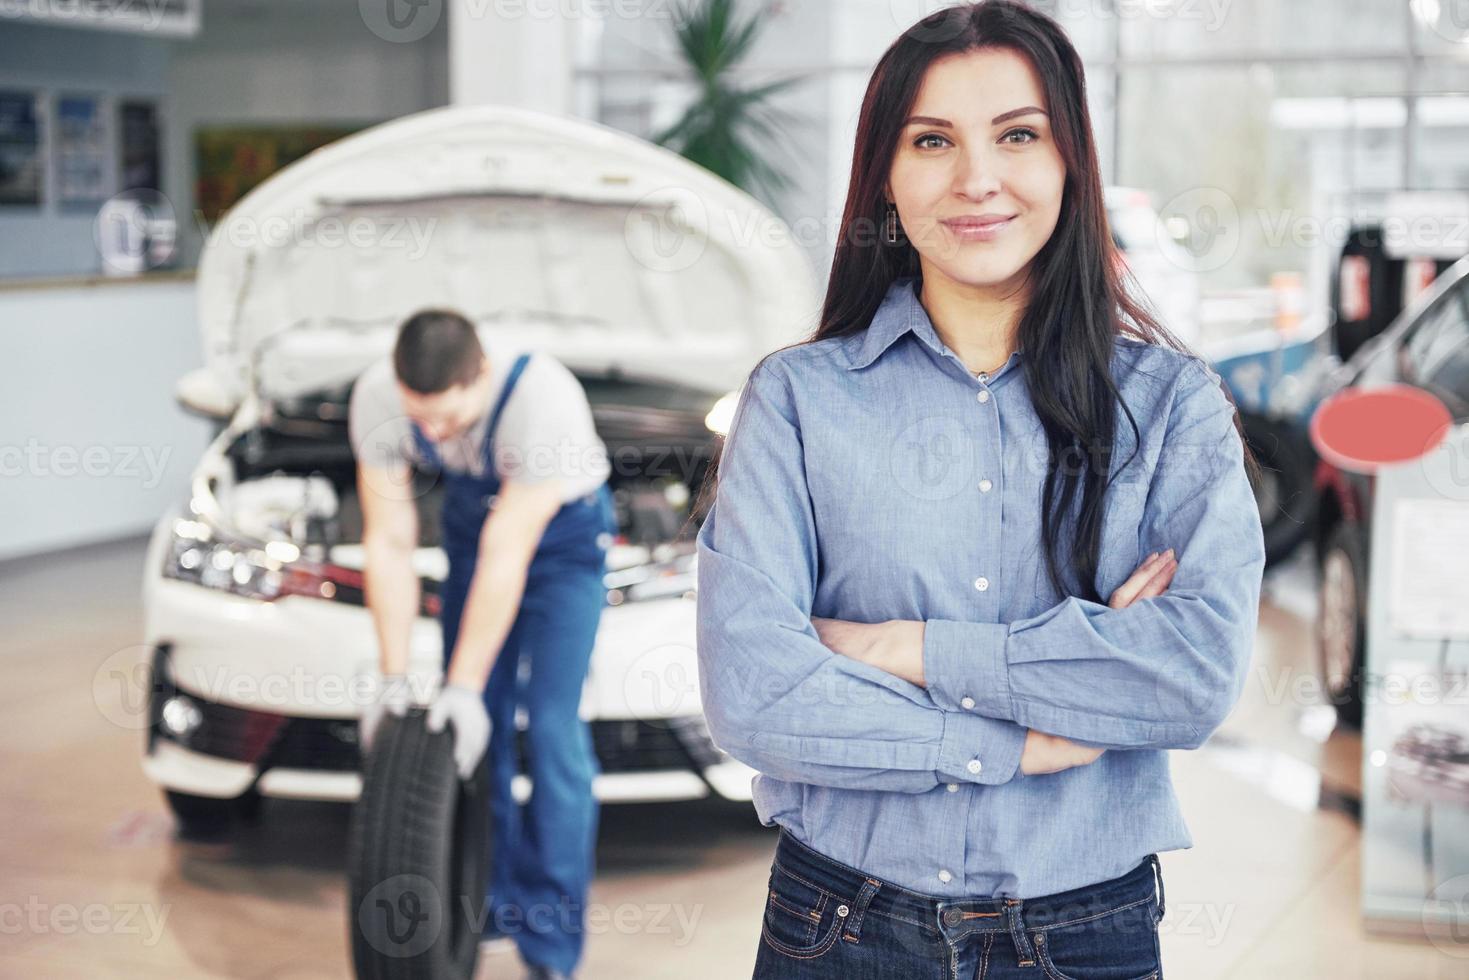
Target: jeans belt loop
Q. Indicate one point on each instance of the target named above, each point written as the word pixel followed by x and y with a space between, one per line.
pixel 1017 932
pixel 853 930
pixel 1158 874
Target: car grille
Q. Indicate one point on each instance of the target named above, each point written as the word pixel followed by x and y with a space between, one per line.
pixel 315 743
pixel 267 740
pixel 264 739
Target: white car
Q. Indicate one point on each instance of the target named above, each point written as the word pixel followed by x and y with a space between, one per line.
pixel 658 283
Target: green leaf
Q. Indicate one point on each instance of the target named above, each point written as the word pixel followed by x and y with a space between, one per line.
pixel 728 129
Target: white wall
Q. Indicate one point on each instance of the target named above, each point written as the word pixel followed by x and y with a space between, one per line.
pixel 92 445
pixel 502 59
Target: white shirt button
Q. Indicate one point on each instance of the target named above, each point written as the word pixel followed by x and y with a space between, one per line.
pixel 984 486
pixel 981 583
pixel 983 396
pixel 953 787
pixel 983 375
pixel 944 875
pixel 974 766
pixel 968 703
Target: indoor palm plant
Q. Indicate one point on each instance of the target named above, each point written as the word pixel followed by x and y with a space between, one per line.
pixel 727 126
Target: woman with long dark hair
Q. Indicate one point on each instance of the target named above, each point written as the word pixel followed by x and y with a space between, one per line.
pixel 918 512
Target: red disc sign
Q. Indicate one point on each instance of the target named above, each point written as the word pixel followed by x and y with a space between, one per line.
pixel 1360 429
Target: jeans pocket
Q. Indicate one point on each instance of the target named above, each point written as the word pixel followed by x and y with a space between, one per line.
pixel 801 920
pixel 1121 944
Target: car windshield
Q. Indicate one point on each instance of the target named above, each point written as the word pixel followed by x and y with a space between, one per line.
pixel 1436 353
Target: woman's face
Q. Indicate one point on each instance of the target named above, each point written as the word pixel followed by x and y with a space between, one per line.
pixel 976 148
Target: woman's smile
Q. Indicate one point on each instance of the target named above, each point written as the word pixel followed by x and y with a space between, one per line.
pixel 978 229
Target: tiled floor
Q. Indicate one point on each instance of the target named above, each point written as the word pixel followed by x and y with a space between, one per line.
pixel 93 883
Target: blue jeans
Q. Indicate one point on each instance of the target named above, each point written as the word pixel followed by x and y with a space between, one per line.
pixel 544 853
pixel 825 919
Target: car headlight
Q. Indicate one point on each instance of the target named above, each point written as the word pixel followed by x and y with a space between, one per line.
pixel 199 555
pixel 202 555
pixel 722 414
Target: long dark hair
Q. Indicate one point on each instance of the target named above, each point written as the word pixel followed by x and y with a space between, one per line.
pixel 1079 303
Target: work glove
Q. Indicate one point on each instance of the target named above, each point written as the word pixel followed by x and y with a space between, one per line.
pixel 394 694
pixel 464 708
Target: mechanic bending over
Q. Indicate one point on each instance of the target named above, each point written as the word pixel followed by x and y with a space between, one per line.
pixel 527 520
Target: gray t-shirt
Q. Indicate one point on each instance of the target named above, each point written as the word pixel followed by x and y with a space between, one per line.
pixel 545 429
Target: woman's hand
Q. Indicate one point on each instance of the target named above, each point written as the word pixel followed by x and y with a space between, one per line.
pixel 1150 580
pixel 895 646
pixel 1051 753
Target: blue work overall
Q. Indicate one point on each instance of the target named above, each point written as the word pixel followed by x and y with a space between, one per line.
pixel 543 858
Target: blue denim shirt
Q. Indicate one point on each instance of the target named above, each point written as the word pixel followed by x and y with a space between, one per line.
pixel 873 477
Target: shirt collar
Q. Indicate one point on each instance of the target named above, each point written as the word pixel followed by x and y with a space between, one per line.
pixel 899 312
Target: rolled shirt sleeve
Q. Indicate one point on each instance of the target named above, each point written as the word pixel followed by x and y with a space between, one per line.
pixel 774 696
pixel 1164 671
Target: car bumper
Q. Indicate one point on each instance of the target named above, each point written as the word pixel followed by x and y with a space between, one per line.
pixel 177 768
pixel 232 750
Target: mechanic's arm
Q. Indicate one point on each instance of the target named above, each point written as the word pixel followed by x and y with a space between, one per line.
pixel 389 539
pixel 1162 672
pixel 508 542
pixel 773 695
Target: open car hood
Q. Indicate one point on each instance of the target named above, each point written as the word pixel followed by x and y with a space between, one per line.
pixel 606 251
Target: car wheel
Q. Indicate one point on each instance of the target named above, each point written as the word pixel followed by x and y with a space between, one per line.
pixel 209 817
pixel 1284 495
pixel 1341 622
pixel 418 856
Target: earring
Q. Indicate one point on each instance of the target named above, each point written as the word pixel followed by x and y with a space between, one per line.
pixel 892 225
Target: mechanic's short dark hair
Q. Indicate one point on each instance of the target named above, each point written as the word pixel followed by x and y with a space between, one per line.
pixel 436 350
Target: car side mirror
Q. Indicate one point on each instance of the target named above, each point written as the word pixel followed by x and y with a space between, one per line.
pixel 1362 429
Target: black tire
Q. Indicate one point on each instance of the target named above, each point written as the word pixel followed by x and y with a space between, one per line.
pixel 211 818
pixel 1341 621
pixel 1285 495
pixel 418 857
